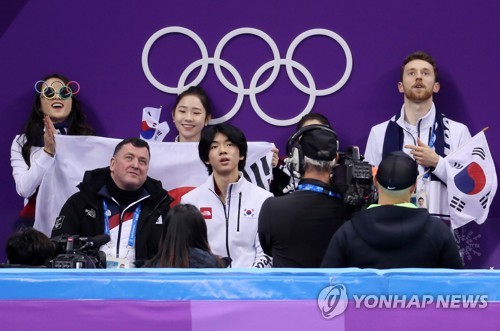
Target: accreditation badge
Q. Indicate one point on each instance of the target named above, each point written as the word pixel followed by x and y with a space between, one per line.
pixel 421 199
pixel 117 263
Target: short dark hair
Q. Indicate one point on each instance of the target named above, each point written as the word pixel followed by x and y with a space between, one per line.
pixel 234 134
pixel 136 142
pixel 420 55
pixel 29 247
pixel 311 117
pixel 198 92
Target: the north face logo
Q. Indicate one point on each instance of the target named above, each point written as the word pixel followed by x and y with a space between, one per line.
pixel 206 212
pixel 90 213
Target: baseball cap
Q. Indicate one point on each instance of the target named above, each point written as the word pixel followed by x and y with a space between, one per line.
pixel 397 171
pixel 319 144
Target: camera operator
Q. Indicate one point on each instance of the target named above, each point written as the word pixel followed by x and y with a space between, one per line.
pixel 29 248
pixel 283 181
pixel 120 201
pixel 295 229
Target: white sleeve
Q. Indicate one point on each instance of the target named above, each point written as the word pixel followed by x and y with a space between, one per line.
pixel 441 170
pixel 28 178
pixel 261 259
pixel 374 146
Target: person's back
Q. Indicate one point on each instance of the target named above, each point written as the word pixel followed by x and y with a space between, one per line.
pixel 296 228
pixel 393 236
pixel 393 233
pixel 306 222
pixel 184 242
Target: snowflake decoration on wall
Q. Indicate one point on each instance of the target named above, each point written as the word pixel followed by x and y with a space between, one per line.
pixel 468 243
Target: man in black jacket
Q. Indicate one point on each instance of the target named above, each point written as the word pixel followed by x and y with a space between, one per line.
pixel 121 201
pixel 394 233
pixel 295 229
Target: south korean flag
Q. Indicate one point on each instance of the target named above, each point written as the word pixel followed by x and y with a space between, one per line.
pixel 472 182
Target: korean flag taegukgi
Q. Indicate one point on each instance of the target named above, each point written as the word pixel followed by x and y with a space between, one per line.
pixel 151 128
pixel 472 182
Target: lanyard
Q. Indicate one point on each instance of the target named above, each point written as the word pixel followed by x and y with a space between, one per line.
pixel 316 188
pixel 432 139
pixel 133 229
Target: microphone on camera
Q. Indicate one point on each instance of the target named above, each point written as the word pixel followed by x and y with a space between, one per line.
pixel 96 241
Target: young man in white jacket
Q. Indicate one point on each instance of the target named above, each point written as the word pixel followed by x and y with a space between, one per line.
pixel 229 203
pixel 421 131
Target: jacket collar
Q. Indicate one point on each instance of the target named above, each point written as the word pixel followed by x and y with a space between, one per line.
pixel 94 180
pixel 425 122
pixel 233 187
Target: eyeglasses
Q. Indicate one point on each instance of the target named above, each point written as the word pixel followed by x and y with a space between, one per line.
pixel 50 92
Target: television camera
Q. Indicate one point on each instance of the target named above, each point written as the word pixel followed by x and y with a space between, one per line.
pixel 75 252
pixel 352 178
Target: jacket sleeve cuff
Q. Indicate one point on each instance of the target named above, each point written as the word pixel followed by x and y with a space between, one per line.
pixel 440 170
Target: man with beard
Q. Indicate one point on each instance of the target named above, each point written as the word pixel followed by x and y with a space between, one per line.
pixel 420 131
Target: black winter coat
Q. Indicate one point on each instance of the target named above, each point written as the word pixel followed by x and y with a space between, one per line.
pixel 392 236
pixel 83 213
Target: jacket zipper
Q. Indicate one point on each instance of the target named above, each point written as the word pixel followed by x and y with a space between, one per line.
pixel 122 213
pixel 429 134
pixel 239 212
pixel 418 129
pixel 228 199
pixel 119 236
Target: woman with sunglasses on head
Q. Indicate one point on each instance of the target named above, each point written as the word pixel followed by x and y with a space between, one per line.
pixel 55 110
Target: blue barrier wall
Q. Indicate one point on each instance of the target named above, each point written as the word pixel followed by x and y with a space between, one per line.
pixel 101 45
pixel 247 299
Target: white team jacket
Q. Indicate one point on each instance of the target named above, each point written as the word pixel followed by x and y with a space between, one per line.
pixel 436 192
pixel 28 178
pixel 232 228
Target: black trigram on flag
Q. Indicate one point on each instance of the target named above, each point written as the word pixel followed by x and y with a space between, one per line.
pixel 457 165
pixel 457 204
pixel 258 173
pixel 484 200
pixel 479 151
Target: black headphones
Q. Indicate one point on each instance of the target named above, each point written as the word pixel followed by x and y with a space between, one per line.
pixel 294 152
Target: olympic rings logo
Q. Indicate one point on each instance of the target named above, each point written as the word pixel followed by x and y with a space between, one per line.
pixel 64 92
pixel 253 88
